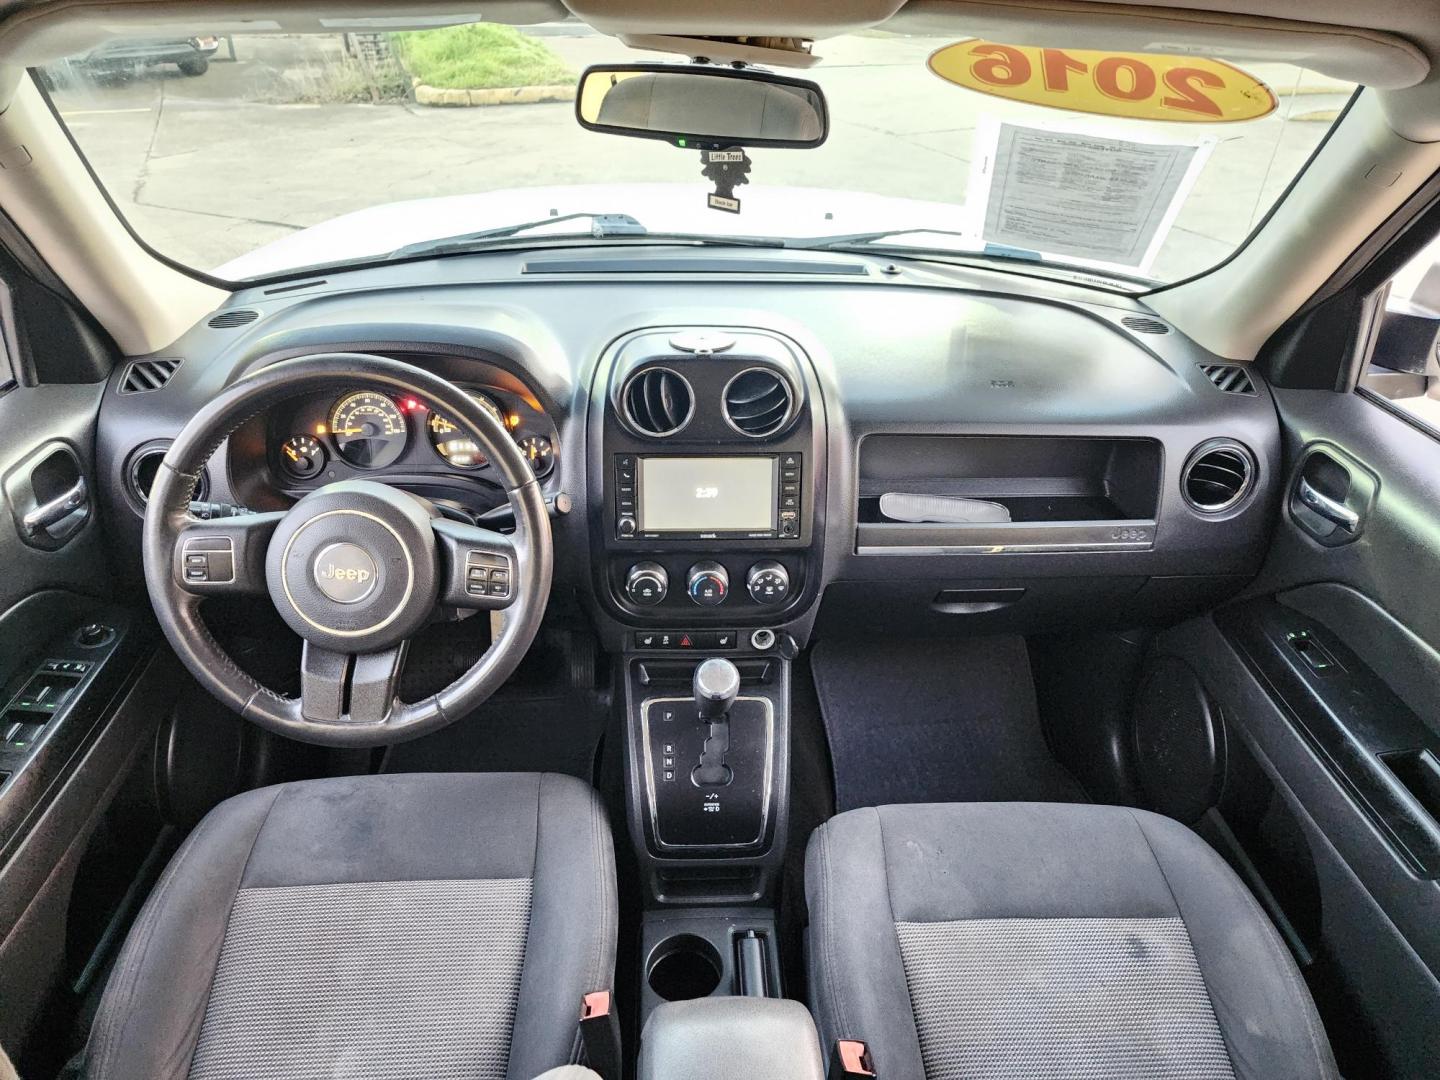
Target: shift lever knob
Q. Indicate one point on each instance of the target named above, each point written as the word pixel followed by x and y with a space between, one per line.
pixel 717 682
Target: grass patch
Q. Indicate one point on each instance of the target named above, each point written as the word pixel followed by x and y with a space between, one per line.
pixel 346 81
pixel 479 56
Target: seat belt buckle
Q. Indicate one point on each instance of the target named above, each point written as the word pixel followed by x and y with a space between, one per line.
pixel 600 1034
pixel 850 1060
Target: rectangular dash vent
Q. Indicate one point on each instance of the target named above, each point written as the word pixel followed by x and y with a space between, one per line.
pixel 142 376
pixel 695 265
pixel 1229 378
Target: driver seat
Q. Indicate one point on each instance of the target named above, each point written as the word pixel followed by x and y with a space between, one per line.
pixel 439 925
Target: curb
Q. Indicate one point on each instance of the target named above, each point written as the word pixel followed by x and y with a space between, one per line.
pixel 507 95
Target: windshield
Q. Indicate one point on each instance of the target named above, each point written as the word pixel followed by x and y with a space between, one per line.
pixel 256 156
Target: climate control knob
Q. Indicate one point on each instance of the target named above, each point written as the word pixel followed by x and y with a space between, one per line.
pixel 768 582
pixel 646 584
pixel 708 583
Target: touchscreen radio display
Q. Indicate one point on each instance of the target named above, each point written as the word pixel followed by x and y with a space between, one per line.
pixel 707 494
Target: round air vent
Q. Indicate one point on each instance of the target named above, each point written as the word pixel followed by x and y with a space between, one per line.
pixel 1218 475
pixel 759 403
pixel 143 467
pixel 657 401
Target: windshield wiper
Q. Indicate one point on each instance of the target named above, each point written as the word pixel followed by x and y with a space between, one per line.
pixel 601 225
pixel 876 240
pixel 860 239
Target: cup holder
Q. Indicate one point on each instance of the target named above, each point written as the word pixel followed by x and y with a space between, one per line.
pixel 684 967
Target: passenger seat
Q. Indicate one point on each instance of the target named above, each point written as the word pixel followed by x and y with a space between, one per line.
pixel 1009 940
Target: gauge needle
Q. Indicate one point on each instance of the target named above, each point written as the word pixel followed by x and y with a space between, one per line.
pixel 293 455
pixel 347 431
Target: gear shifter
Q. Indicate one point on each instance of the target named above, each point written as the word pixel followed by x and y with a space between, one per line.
pixel 717 683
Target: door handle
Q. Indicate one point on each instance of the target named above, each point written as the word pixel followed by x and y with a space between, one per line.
pixel 45 515
pixel 1332 510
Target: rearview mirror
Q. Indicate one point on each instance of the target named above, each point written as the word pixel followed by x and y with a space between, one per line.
pixel 707 108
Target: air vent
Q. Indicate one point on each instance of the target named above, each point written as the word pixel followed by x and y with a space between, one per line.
pixel 658 402
pixel 229 319
pixel 1229 378
pixel 1217 476
pixel 140 476
pixel 142 376
pixel 1142 325
pixel 759 403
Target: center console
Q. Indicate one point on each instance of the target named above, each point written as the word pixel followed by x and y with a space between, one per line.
pixel 709 448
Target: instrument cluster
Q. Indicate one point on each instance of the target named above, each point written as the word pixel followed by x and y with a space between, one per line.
pixel 362 432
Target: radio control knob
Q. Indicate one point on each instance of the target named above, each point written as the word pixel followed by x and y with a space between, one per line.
pixel 708 583
pixel 646 584
pixel 625 526
pixel 768 582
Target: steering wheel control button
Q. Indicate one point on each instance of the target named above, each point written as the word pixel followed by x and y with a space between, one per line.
pixel 487 574
pixel 768 582
pixel 346 573
pixel 646 584
pixel 208 560
pixel 708 583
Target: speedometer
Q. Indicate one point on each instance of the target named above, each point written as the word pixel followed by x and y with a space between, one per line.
pixel 369 429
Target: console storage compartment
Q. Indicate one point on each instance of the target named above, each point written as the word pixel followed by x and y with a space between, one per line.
pixel 727 1037
pixel 1061 493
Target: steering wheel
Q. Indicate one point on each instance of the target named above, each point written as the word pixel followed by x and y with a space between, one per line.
pixel 355 568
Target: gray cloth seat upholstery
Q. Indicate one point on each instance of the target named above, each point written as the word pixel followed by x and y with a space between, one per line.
pixel 376 926
pixel 1005 940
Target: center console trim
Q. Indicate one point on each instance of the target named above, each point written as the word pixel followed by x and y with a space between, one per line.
pixel 645 705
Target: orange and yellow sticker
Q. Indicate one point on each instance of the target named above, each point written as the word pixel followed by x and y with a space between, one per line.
pixel 1140 86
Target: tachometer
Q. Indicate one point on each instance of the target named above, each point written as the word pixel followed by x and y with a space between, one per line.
pixel 369 429
pixel 452 444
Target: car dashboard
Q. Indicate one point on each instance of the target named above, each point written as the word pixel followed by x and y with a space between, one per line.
pixel 725 430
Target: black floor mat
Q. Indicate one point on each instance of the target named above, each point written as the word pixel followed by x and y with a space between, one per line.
pixel 924 720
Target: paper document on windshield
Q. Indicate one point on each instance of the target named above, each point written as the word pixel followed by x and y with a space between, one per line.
pixel 1075 194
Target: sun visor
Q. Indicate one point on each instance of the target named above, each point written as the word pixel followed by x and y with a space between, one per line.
pixel 1354 54
pixel 814 19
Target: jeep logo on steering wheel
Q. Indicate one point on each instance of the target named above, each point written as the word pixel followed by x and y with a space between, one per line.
pixel 345 573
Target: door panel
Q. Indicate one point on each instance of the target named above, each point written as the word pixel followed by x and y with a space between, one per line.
pixel 46 446
pixel 1395 561
pixel 1328 677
